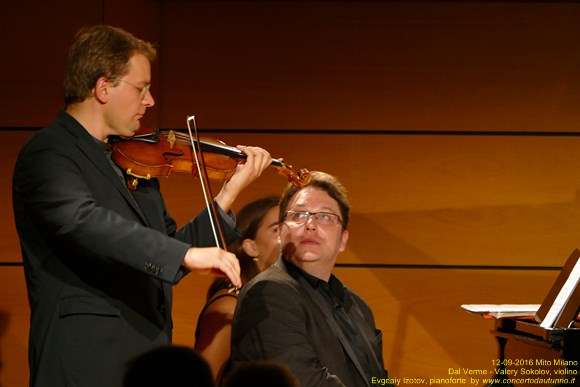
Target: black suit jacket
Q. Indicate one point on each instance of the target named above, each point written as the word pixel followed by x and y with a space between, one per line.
pixel 100 261
pixel 282 318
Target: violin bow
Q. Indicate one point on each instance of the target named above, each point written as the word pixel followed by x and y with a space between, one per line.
pixel 205 185
pixel 220 240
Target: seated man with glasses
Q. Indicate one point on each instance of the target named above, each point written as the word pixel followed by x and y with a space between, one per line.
pixel 297 312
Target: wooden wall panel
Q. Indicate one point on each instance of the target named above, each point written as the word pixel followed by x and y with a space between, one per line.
pixel 511 66
pixel 429 201
pixel 318 65
pixel 34 39
pixel 435 200
pixel 12 142
pixel 14 324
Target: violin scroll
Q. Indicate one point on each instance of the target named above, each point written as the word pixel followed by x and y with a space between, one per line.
pixel 298 179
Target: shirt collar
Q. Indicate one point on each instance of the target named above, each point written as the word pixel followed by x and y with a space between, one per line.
pixel 334 286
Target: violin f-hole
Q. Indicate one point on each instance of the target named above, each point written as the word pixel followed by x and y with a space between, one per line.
pixel 169 155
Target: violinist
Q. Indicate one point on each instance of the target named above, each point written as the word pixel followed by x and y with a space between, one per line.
pixel 100 260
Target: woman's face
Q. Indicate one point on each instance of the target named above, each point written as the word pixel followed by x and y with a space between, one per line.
pixel 267 242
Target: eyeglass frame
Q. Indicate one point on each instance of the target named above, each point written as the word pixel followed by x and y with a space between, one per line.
pixel 311 215
pixel 143 91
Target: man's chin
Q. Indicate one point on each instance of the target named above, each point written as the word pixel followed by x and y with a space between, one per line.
pixel 132 131
pixel 126 133
pixel 307 257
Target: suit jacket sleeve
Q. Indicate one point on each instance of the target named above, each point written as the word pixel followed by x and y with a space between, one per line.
pixel 74 195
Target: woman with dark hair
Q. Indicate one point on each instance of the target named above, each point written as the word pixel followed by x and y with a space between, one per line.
pixel 257 249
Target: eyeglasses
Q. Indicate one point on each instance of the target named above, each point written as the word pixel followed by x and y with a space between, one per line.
pixel 142 90
pixel 322 218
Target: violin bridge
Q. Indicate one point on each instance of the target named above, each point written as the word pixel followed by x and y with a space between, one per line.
pixel 171 139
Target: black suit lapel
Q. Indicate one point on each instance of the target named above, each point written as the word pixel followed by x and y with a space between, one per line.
pixel 97 156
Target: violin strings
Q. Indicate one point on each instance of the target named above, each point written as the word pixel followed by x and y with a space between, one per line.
pixel 203 187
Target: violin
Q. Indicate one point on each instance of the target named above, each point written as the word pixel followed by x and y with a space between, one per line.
pixel 160 152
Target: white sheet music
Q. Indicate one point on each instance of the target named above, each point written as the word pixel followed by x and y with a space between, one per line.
pixel 502 310
pixel 562 298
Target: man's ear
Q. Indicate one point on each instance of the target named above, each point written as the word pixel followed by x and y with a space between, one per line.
pixel 343 240
pixel 250 248
pixel 102 89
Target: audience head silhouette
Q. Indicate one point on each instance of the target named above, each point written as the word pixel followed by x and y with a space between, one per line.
pixel 168 366
pixel 261 373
